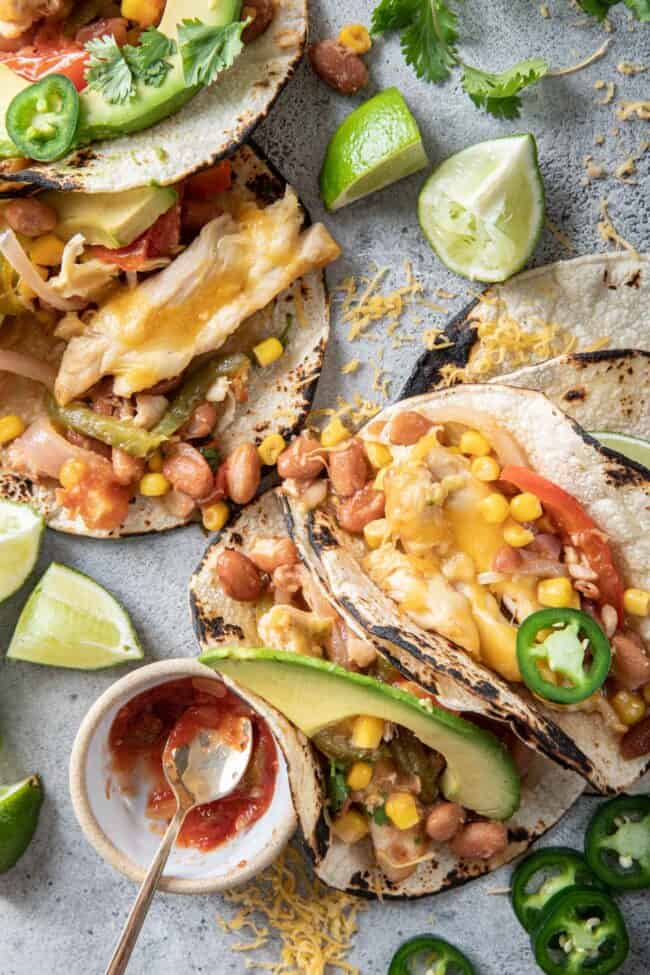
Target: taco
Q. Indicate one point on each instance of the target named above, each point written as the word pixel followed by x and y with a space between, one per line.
pixel 118 79
pixel 161 346
pixel 250 590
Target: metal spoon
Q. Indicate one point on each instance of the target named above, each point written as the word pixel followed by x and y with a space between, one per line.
pixel 207 768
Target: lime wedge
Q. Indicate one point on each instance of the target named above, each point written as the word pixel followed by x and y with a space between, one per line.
pixel 71 621
pixel 20 805
pixel 631 447
pixel 21 532
pixel 482 210
pixel 377 144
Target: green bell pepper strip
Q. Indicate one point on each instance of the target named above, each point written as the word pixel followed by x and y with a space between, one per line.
pixel 564 654
pixel 42 119
pixel 411 757
pixel 582 931
pixel 116 433
pixel 617 842
pixel 194 390
pixel 428 955
pixel 544 874
pixel 338 748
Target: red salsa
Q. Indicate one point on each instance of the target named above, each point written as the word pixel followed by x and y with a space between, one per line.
pixel 178 708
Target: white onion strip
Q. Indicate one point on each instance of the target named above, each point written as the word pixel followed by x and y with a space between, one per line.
pixel 27 366
pixel 12 251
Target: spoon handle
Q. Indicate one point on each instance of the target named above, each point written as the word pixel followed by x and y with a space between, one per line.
pixel 135 920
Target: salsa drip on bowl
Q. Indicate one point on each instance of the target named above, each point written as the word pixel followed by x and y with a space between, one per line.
pixel 169 715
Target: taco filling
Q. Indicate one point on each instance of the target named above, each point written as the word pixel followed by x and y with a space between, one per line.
pixel 124 365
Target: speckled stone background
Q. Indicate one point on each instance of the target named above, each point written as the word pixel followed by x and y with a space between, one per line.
pixel 62 908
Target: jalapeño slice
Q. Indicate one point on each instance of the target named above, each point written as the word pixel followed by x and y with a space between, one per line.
pixel 582 930
pixel 617 842
pixel 42 119
pixel 542 876
pixel 564 652
pixel 428 955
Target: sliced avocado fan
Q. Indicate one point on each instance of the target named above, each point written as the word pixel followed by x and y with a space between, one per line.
pixel 313 693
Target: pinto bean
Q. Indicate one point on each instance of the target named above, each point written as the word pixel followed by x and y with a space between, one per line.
pixel 188 471
pixel 444 821
pixel 201 423
pixel 338 66
pixel 480 841
pixel 302 460
pixel 30 217
pixel 261 13
pixel 271 552
pixel 243 473
pixel 407 428
pixel 636 742
pixel 240 578
pixel 127 469
pixel 348 469
pixel 362 508
pixel 631 664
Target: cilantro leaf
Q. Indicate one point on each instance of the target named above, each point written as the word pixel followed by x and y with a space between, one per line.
pixel 206 51
pixel 393 15
pixel 148 61
pixel 380 816
pixel 640 9
pixel 108 72
pixel 498 93
pixel 337 787
pixel 428 43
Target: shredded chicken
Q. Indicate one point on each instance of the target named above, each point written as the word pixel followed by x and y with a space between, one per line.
pixel 288 628
pixel 82 279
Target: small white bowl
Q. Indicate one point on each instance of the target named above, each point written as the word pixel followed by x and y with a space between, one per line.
pixel 116 825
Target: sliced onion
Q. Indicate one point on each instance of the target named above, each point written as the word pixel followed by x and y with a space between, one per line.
pixel 11 249
pixel 506 447
pixel 27 366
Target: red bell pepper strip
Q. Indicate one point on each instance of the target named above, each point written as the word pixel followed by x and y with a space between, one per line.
pixel 158 241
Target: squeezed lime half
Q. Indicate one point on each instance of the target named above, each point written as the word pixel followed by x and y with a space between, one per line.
pixel 634 448
pixel 21 533
pixel 71 621
pixel 20 805
pixel 377 144
pixel 482 210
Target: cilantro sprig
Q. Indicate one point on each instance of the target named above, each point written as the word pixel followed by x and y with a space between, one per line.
pixel 207 51
pixel 429 32
pixel 600 8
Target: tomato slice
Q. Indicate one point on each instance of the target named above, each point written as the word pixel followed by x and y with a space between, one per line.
pixel 576 523
pixel 51 52
pixel 216 179
pixel 158 241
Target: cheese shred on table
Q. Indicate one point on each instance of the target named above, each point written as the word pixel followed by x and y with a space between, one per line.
pixel 314 924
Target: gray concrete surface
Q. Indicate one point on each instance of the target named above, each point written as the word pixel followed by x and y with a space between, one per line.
pixel 62 907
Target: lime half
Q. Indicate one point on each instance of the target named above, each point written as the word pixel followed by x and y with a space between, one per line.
pixel 71 621
pixel 20 805
pixel 21 532
pixel 631 447
pixel 377 144
pixel 482 210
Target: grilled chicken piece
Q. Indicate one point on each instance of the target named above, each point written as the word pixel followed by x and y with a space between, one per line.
pixel 17 16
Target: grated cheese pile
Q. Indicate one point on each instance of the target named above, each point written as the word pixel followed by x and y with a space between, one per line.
pixel 315 925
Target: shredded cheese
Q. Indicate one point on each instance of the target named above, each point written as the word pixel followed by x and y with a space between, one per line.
pixel 610 91
pixel 435 339
pixel 559 235
pixel 627 110
pixel 352 366
pixel 630 68
pixel 361 311
pixel 608 231
pixel 315 925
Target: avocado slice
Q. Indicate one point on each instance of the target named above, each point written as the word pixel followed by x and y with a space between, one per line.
pixel 110 219
pixel 313 693
pixel 98 119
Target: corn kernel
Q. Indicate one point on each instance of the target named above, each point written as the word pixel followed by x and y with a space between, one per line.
pixel 367 731
pixel 359 776
pixel 356 38
pixel 376 532
pixel 629 707
pixel 401 809
pixel 46 250
pixel 268 351
pixel 351 826
pixel 378 454
pixel 154 485
pixel 494 508
pixel 516 535
pixel 215 516
pixel 485 469
pixel 71 473
pixel 11 426
pixel 156 462
pixel 636 602
pixel 525 507
pixel 558 593
pixel 646 693
pixel 474 443
pixel 146 13
pixel 334 433
pixel 271 448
